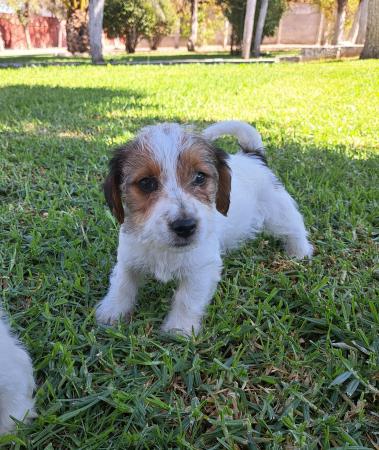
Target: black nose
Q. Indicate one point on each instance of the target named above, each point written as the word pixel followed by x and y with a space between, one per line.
pixel 183 227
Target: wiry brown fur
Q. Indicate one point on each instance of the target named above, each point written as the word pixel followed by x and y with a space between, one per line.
pixel 224 182
pixel 204 157
pixel 135 161
pixel 129 165
pixel 198 158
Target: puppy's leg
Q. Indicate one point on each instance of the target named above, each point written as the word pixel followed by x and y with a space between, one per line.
pixel 283 220
pixel 15 402
pixel 16 381
pixel 121 296
pixel 194 293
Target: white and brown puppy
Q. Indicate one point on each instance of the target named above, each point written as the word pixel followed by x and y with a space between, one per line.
pixel 183 202
pixel 16 380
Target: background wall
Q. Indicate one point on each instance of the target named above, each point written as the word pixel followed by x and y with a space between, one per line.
pixel 302 23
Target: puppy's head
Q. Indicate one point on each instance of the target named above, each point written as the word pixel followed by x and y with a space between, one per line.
pixel 166 185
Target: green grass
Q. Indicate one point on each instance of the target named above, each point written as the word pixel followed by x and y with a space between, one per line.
pixel 123 57
pixel 289 352
pixel 115 57
pixel 41 58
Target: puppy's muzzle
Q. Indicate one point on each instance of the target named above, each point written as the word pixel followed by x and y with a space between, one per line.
pixel 184 228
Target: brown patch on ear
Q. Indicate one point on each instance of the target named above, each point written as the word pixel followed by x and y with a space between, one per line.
pixel 140 164
pixel 198 157
pixel 112 184
pixel 224 182
pixel 129 164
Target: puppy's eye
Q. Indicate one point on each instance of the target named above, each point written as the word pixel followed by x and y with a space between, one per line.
pixel 200 179
pixel 148 184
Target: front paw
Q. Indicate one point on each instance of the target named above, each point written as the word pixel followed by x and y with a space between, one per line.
pixel 109 312
pixel 299 249
pixel 185 326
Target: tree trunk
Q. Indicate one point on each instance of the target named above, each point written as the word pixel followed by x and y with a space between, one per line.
pixel 260 25
pixel 155 41
pixel 321 29
pixel 191 44
pixel 77 32
pixel 329 33
pixel 371 47
pixel 279 32
pixel 131 40
pixel 353 33
pixel 95 23
pixel 2 42
pixel 248 28
pixel 24 18
pixel 340 22
pixel 232 39
pixel 362 22
pixel 27 36
pixel 62 24
pixel 226 33
pixel 177 33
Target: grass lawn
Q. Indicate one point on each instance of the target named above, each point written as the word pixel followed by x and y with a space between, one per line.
pixel 123 57
pixel 289 352
pixel 118 56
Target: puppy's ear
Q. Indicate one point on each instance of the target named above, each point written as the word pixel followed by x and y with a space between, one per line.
pixel 112 184
pixel 224 182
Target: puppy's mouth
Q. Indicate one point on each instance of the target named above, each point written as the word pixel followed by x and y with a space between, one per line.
pixel 183 243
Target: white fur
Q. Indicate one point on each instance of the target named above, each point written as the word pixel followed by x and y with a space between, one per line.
pixel 16 380
pixel 248 137
pixel 258 202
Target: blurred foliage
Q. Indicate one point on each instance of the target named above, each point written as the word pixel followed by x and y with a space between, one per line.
pixel 25 9
pixel 211 21
pixel 210 18
pixel 329 7
pixel 58 8
pixel 134 19
pixel 164 19
pixel 73 5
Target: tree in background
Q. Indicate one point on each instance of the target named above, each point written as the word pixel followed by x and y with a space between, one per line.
pixel 192 40
pixel 210 20
pixel 135 19
pixel 248 28
pixel 342 15
pixel 129 19
pixel 358 29
pixel 165 18
pixel 77 26
pixel 58 9
pixel 340 22
pixel 25 10
pixel 95 23
pixel 180 8
pixel 234 10
pixel 259 28
pixel 371 47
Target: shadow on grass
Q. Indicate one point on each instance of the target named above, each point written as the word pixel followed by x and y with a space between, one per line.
pixel 42 58
pixel 58 111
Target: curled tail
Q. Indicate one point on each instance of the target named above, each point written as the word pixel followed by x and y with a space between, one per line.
pixel 248 137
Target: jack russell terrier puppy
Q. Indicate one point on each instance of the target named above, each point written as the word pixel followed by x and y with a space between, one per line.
pixel 181 203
